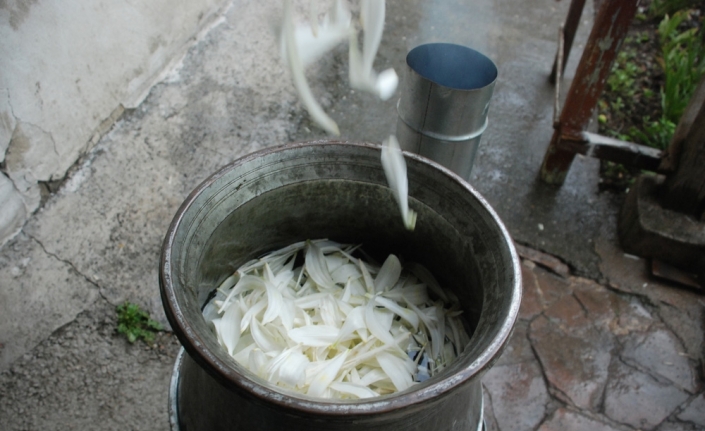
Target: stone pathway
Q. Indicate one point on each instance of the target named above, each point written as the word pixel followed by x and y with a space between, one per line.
pixel 585 356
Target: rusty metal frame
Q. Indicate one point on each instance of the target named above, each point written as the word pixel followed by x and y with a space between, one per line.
pixel 570 136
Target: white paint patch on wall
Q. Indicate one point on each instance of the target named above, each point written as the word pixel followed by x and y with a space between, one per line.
pixel 66 66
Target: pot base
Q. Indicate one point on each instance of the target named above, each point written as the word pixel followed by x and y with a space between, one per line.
pixel 174 397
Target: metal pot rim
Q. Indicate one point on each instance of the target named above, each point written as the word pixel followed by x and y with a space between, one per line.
pixel 234 380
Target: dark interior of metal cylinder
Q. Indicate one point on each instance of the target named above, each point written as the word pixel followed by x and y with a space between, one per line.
pixel 453 66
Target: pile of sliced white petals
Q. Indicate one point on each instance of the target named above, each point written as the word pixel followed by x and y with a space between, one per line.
pixel 314 319
pixel 303 44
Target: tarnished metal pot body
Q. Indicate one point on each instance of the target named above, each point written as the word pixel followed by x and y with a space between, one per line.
pixel 278 196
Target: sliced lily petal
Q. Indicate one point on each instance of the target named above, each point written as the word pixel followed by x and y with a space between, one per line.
pixel 367 277
pixel 243 356
pixel 425 275
pixel 345 272
pixel 396 369
pixel 312 300
pixel 326 375
pixel 315 335
pixel 314 40
pixel 388 274
pixel 263 338
pixel 386 84
pixel 357 391
pixel 251 313
pixel 354 320
pixel 316 266
pixel 417 294
pixel 361 74
pixel 395 170
pixel 406 314
pixel 372 17
pixel 376 326
pixel 293 328
pixel 436 338
pixel 330 313
pixel 229 282
pixel 257 362
pixel 288 311
pixel 275 303
pixel 297 72
pixel 245 283
pixel 228 328
pixel 372 377
pixel 289 367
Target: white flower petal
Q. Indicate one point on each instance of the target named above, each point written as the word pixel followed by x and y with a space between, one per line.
pixel 264 338
pixel 395 170
pixel 297 72
pixel 388 274
pixel 396 369
pixel 316 266
pixel 358 391
pixel 314 335
pixel 425 275
pixel 406 314
pixel 326 375
pixel 377 327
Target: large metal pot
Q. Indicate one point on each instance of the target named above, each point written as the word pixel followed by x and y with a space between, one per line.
pixel 334 190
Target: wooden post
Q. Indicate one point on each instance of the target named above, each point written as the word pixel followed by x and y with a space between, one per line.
pixel 609 30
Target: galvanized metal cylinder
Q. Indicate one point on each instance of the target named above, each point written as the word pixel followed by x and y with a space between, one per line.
pixel 278 196
pixel 445 99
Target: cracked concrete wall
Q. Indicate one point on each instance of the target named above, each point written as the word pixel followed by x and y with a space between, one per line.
pixel 68 69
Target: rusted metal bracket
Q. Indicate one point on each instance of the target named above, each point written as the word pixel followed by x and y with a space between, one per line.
pixel 570 136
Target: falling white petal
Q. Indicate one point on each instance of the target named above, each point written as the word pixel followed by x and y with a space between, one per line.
pixel 361 73
pixel 297 72
pixel 395 171
pixel 313 41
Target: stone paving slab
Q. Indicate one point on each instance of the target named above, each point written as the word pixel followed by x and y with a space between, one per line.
pixel 86 377
pixel 40 293
pixel 588 356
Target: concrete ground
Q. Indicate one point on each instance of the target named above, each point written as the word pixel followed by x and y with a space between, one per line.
pixel 599 344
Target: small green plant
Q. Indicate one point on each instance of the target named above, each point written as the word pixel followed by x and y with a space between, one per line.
pixel 624 74
pixel 683 63
pixel 659 8
pixel 135 323
pixel 655 134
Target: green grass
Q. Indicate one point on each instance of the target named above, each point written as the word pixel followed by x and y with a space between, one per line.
pixel 682 61
pixel 135 323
